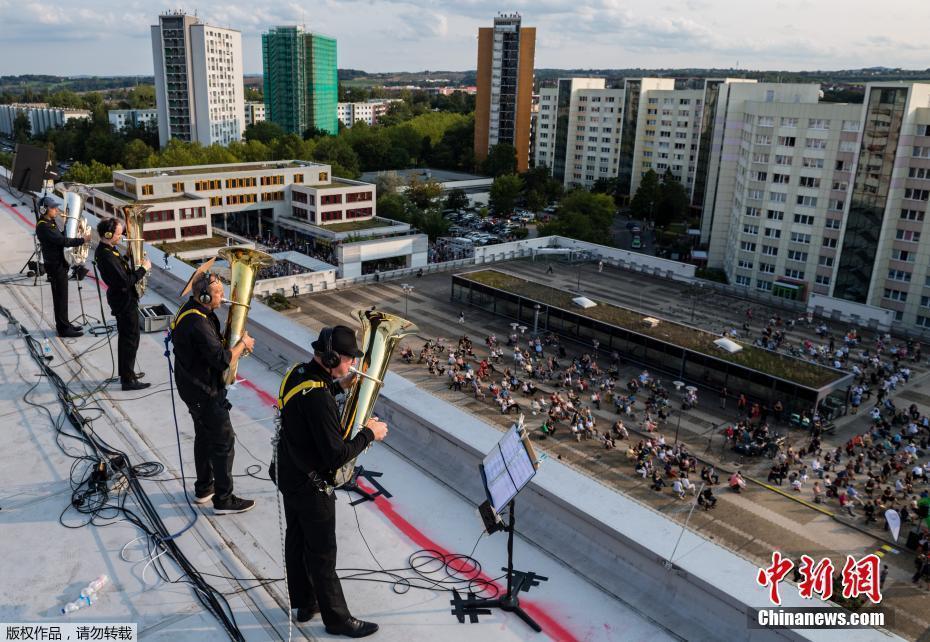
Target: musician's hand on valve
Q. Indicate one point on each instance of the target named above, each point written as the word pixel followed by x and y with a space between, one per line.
pixel 147 264
pixel 248 342
pixel 379 428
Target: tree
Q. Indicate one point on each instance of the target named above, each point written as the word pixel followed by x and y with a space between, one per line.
pixel 388 182
pixel 673 202
pixel 430 223
pixel 253 95
pixel 504 192
pixel 136 154
pixel 583 216
pixel 393 206
pixel 22 128
pixel 263 131
pixel 646 198
pixel 95 172
pixel 142 97
pixel 502 159
pixel 338 153
pixel 6 160
pixel 423 193
pixel 457 199
pixel 65 98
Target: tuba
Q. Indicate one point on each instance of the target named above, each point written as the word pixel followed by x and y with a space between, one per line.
pixel 381 333
pixel 76 226
pixel 243 270
pixel 134 215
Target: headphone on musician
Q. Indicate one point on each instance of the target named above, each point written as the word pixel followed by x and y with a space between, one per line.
pixel 107 228
pixel 329 358
pixel 203 294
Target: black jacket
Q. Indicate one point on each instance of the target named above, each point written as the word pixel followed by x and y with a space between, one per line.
pixel 53 243
pixel 311 433
pixel 120 278
pixel 199 354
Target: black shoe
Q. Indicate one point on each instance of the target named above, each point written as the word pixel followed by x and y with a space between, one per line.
pixel 233 505
pixel 135 385
pixel 203 498
pixel 305 615
pixel 77 328
pixel 139 375
pixel 353 628
pixel 70 333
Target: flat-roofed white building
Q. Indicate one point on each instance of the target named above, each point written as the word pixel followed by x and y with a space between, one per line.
pixel 41 117
pixel 254 112
pixel 123 118
pixel 367 112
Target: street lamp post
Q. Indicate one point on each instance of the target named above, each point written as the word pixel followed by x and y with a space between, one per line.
pixel 678 427
pixel 536 309
pixel 407 288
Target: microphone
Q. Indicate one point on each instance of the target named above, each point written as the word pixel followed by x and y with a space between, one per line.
pixel 365 376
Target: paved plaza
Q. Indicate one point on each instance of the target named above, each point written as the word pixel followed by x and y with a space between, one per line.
pixel 762 519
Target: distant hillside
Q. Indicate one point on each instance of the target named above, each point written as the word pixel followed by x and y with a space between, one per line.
pixel 42 84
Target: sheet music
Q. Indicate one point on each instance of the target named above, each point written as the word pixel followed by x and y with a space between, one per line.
pixel 508 468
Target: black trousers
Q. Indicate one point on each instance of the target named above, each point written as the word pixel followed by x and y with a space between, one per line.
pixel 214 448
pixel 310 555
pixel 58 277
pixel 127 325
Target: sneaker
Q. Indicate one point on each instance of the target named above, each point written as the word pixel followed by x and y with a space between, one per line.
pixel 204 497
pixel 233 505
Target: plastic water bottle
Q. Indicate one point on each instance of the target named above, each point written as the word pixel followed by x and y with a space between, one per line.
pixel 88 595
pixel 98 583
pixel 47 349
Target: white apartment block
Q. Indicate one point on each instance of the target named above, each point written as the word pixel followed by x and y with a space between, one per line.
pixel 668 131
pixel 123 118
pixel 254 112
pixel 368 112
pixel 41 117
pixel 198 81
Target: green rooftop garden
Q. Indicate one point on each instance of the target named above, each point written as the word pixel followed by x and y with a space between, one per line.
pixel 173 247
pixel 354 226
pixel 772 363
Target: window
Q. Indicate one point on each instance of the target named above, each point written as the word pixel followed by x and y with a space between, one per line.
pixel 781 178
pixel 788 122
pixel 908 235
pixel 751 229
pixel 840 185
pixel 358 213
pixel 798 237
pixel 778 197
pixel 767 268
pixel 829 242
pixel 763 139
pixel 850 125
pixel 758 176
pixel 899 275
pixel 753 212
pixel 759 157
pixel 770 250
pixel 745 281
pixel 746 264
pixel 797 255
pixel 781 159
pixel 895 295
pixel 358 197
pixel 324 177
pixel 755 194
pixel 772 233
pixel 272 180
pixel 159 216
pixel 746 246
pixel 212 184
pixel 147 190
pixel 177 187
pixel 775 215
pixel 832 223
pixel 330 199
pixel 837 204
pixel 299 212
pixel 809 181
pixel 787 141
pixel 826 261
pixel 326 217
pixel 298 178
pixel 920 152
pixel 764 285
pixel 912 215
pixel 816 163
pixel 923 321
pixel 159 235
pixel 815 143
pixel 806 201
pixel 918 172
pixel 804 219
pixel 272 196
pixel 194 230
pixel 818 123
pixel 917 194
pixel 822 279
pixel 794 274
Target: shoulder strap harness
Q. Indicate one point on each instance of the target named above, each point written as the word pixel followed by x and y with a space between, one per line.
pixel 303 387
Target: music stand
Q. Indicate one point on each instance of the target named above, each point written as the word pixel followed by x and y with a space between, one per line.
pixel 505 471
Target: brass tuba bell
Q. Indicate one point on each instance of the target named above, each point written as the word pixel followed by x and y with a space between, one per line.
pixel 244 265
pixel 134 216
pixel 76 226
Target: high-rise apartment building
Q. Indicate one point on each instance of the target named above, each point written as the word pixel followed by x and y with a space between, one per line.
pixel 505 87
pixel 198 81
pixel 301 82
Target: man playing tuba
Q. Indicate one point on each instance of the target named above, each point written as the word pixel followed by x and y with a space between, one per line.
pixel 200 360
pixel 121 282
pixel 310 448
pixel 53 243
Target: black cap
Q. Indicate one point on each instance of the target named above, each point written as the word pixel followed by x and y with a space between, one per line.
pixel 343 342
pixel 48 202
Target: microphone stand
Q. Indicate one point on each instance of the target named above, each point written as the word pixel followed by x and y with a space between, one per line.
pixel 104 328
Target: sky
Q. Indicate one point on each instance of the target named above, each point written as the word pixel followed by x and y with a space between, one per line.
pixel 110 37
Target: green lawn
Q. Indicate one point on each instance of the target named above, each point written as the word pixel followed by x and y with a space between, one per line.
pixel 771 363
